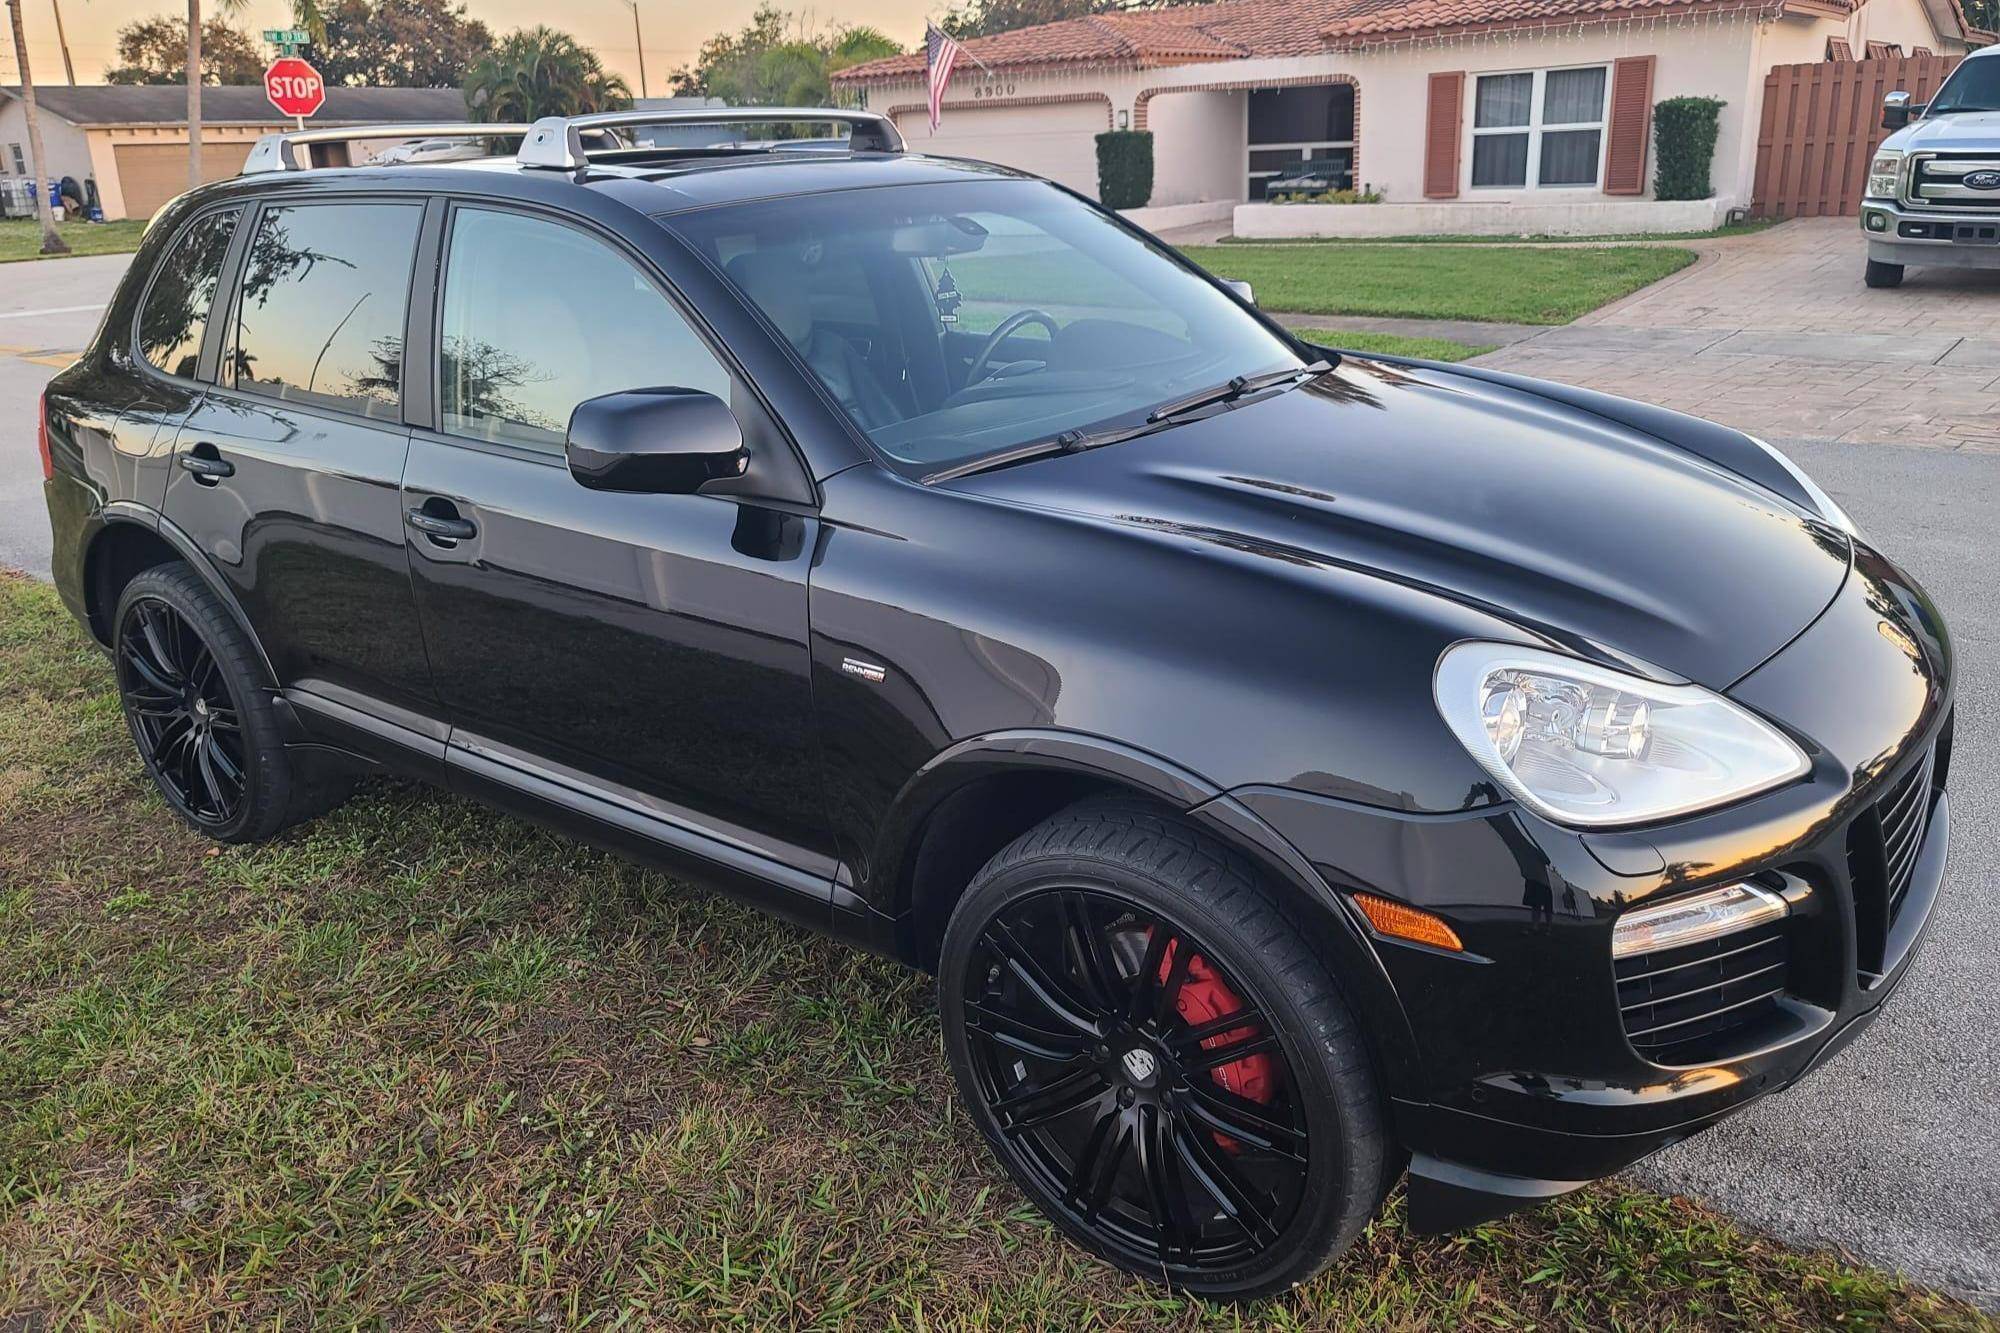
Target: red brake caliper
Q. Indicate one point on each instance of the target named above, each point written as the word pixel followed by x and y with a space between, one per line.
pixel 1204 997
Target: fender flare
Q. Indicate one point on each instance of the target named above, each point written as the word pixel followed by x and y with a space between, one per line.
pixel 127 512
pixel 1352 959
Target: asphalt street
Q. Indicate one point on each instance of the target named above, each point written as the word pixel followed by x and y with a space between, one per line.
pixel 1891 1152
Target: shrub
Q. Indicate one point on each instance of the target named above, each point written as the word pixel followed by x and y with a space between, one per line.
pixel 1125 168
pixel 1684 147
pixel 1367 194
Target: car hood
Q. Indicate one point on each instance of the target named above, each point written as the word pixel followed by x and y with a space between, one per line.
pixel 1970 131
pixel 1569 525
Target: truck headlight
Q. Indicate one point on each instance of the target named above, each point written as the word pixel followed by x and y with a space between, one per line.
pixel 1589 747
pixel 1884 173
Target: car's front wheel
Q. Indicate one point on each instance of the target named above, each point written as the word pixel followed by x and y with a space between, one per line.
pixel 204 723
pixel 1880 274
pixel 1158 1056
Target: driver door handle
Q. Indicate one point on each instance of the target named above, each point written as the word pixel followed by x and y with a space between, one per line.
pixel 435 525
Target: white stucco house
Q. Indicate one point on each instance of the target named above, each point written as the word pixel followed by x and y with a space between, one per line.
pixel 1471 115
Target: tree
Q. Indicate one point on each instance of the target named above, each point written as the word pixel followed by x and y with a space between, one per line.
pixel 1984 14
pixel 538 72
pixel 778 59
pixel 400 44
pixel 153 50
pixel 52 241
pixel 982 18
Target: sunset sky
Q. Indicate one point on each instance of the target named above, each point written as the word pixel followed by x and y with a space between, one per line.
pixel 674 28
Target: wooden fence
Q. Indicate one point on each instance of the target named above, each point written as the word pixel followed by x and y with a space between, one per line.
pixel 1822 124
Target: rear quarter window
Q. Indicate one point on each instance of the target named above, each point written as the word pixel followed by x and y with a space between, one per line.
pixel 174 317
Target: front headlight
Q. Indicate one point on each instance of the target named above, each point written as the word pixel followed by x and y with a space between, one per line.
pixel 1884 173
pixel 1583 745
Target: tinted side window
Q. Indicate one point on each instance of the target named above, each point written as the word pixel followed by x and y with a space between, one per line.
pixel 539 317
pixel 320 319
pixel 175 315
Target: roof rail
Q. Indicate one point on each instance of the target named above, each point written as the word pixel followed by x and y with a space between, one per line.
pixel 557 141
pixel 274 152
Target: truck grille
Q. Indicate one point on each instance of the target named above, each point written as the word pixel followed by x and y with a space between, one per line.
pixel 1882 847
pixel 1937 180
pixel 1685 1005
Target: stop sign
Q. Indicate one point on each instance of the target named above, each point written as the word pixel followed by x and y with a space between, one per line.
pixel 294 86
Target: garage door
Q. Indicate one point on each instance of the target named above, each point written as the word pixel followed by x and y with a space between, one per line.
pixel 1059 142
pixel 149 174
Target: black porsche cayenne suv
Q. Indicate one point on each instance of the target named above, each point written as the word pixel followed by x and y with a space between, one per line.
pixel 1297 767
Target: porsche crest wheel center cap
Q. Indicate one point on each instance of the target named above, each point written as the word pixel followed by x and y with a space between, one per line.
pixel 1140 1066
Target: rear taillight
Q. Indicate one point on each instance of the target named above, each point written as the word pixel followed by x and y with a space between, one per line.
pixel 42 436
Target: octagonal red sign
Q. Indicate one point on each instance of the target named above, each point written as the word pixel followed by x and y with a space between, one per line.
pixel 294 86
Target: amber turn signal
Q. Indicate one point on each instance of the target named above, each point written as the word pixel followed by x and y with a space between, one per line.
pixel 1407 923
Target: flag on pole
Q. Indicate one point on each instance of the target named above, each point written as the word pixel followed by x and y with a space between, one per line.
pixel 941 54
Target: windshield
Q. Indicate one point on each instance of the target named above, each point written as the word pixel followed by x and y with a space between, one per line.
pixel 1973 86
pixel 956 321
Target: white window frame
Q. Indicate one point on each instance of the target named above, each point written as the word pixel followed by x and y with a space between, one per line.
pixel 1535 128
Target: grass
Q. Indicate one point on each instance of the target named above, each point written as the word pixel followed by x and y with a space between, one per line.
pixel 1508 285
pixel 421 1064
pixel 1392 344
pixel 1713 233
pixel 21 238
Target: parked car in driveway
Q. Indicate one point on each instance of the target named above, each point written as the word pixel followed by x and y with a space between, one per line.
pixel 1300 768
pixel 1933 195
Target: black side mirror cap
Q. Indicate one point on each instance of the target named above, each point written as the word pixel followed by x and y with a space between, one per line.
pixel 654 441
pixel 1896 110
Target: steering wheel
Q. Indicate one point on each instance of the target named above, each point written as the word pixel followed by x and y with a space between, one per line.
pixel 978 371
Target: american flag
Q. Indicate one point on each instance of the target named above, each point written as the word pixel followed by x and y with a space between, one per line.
pixel 941 54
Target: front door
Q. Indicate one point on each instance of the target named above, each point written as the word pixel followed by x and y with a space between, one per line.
pixel 287 470
pixel 643 654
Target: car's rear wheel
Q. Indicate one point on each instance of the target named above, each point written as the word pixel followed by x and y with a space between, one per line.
pixel 1880 274
pixel 204 723
pixel 1159 1058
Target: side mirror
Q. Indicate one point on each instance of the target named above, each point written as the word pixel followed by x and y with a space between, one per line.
pixel 1244 291
pixel 1895 110
pixel 654 441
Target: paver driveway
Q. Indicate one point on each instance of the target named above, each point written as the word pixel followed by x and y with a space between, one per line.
pixel 1774 333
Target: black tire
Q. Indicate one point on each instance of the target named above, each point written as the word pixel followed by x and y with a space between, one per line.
pixel 1134 879
pixel 1880 274
pixel 202 717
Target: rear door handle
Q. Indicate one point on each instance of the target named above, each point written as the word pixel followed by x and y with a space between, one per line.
pixel 206 468
pixel 444 529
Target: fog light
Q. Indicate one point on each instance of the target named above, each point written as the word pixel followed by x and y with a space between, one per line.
pixel 1691 920
pixel 1878 222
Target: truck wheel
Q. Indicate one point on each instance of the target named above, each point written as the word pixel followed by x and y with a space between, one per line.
pixel 1158 1056
pixel 1883 275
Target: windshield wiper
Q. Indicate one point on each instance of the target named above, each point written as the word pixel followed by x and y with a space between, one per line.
pixel 1076 441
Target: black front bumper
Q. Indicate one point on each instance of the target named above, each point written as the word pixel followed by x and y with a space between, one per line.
pixel 1526 1080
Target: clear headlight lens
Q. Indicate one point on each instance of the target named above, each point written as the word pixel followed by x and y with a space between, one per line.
pixel 1583 745
pixel 1884 173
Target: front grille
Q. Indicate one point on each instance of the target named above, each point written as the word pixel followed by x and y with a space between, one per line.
pixel 1882 847
pixel 1937 180
pixel 1691 1004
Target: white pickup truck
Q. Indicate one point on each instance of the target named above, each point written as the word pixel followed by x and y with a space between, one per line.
pixel 1933 192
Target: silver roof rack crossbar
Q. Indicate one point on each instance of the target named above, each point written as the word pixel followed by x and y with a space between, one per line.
pixel 274 152
pixel 556 142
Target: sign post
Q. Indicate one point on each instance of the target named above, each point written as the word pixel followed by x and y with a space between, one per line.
pixel 294 87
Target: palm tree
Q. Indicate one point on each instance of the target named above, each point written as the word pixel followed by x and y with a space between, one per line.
pixel 52 241
pixel 536 72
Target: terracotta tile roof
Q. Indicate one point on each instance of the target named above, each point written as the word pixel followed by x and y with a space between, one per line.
pixel 1238 29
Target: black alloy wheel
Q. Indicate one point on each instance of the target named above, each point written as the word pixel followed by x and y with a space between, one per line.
pixel 187 723
pixel 1164 1096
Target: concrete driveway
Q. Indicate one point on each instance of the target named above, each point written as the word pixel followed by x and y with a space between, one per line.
pixel 1892 1152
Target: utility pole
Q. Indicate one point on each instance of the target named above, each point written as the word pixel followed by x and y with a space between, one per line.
pixel 194 93
pixel 637 37
pixel 52 241
pixel 62 40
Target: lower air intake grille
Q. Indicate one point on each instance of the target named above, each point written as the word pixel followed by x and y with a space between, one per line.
pixel 1687 1005
pixel 1882 847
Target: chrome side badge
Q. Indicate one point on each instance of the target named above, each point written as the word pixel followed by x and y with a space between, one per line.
pixel 868 671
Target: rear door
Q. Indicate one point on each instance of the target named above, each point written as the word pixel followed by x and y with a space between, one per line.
pixel 641 657
pixel 287 472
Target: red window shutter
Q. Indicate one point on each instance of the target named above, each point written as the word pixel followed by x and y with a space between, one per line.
pixel 1631 125
pixel 1442 133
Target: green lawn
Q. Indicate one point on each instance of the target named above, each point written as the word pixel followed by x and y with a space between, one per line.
pixel 1392 344
pixel 1504 284
pixel 21 238
pixel 1666 237
pixel 423 1065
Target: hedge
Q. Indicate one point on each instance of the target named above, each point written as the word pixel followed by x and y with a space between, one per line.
pixel 1684 146
pixel 1125 168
